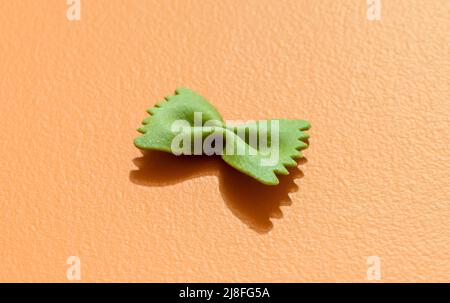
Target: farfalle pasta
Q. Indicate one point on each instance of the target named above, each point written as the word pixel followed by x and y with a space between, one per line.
pixel 187 124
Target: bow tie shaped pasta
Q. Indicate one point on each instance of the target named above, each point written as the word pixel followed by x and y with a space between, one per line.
pixel 260 149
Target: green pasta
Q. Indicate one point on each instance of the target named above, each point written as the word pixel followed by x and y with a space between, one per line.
pixel 186 123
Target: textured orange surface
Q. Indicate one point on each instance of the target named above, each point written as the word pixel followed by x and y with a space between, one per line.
pixel 376 180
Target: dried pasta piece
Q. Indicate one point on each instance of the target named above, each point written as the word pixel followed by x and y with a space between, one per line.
pixel 186 123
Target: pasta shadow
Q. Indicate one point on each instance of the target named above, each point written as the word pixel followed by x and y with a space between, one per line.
pixel 254 203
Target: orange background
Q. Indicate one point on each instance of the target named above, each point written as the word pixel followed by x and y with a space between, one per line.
pixel 376 180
